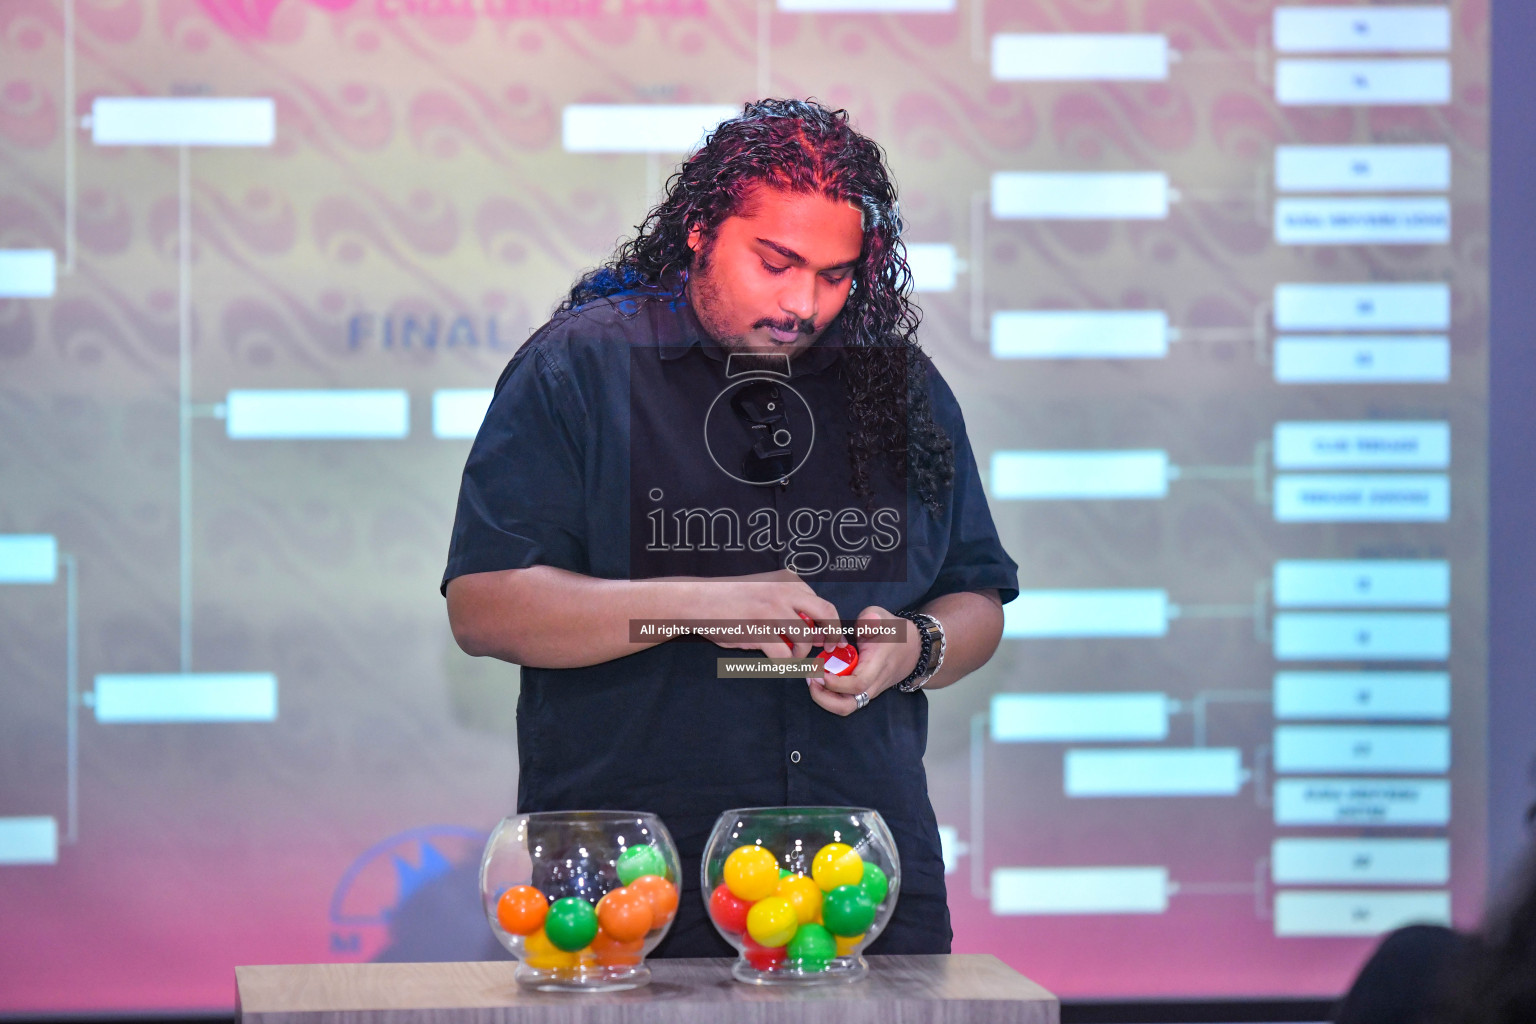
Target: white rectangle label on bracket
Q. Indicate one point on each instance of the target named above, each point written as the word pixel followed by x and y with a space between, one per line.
pixel 28 273
pixel 933 266
pixel 458 412
pixel 1362 636
pixel 1362 82
pixel 639 127
pixel 1077 475
pixel 1363 307
pixel 1373 498
pixel 1360 861
pixel 186 697
pixel 1080 334
pixel 1301 913
pixel 317 415
pixel 29 839
pixel 1363 802
pixel 1362 168
pixel 1153 772
pixel 1082 195
pixel 29 558
pixel 183 121
pixel 1362 444
pixel 1389 28
pixel 1077 890
pixel 1382 359
pixel 1079 57
pixel 1036 614
pixel 1378 749
pixel 1079 717
pixel 1364 583
pixel 1362 695
pixel 1416 221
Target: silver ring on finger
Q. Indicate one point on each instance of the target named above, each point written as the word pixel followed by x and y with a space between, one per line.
pixel 860 701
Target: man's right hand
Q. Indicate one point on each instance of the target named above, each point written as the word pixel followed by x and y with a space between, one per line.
pixel 545 617
pixel 779 596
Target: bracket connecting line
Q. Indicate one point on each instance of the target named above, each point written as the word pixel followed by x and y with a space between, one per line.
pixel 764 45
pixel 70 128
pixel 979 885
pixel 72 697
pixel 979 327
pixel 184 392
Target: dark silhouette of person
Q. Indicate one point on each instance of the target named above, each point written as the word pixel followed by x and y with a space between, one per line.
pixel 1427 974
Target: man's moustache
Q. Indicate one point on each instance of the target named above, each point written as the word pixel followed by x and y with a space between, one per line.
pixel 799 327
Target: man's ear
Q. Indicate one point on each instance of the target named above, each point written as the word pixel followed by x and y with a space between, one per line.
pixel 695 238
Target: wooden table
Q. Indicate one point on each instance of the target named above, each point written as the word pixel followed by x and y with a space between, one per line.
pixel 964 989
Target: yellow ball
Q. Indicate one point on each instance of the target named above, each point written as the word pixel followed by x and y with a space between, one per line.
pixel 846 943
pixel 751 873
pixel 836 864
pixel 772 921
pixel 804 894
pixel 544 955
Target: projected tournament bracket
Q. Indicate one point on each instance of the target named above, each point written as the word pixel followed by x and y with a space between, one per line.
pixel 1340 711
pixel 1355 333
pixel 1213 296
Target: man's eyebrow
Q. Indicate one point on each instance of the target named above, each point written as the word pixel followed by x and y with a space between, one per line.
pixel 796 258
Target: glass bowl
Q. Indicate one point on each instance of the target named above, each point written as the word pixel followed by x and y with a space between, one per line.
pixel 580 897
pixel 800 891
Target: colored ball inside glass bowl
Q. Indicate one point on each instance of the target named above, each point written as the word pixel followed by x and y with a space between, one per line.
pixel 580 898
pixel 800 891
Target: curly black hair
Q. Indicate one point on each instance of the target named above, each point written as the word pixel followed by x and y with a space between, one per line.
pixel 800 146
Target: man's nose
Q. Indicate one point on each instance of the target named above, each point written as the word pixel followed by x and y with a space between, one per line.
pixel 799 297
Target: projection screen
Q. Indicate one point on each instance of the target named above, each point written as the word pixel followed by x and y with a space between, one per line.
pixel 1209 278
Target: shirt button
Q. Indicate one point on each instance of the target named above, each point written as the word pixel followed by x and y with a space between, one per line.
pixel 794 756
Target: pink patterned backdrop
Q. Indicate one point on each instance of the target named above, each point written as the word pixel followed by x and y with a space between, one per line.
pixel 418 173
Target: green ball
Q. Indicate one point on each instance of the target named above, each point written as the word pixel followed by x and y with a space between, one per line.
pixel 812 948
pixel 848 911
pixel 571 924
pixel 874 883
pixel 640 860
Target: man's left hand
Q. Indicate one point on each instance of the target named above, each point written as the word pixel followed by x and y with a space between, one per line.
pixel 881 666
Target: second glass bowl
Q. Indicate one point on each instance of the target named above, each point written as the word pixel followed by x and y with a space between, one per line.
pixel 800 891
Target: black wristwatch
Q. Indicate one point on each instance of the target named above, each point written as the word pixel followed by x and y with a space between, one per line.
pixel 930 632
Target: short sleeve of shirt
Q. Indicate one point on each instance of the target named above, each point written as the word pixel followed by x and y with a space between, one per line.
pixel 975 559
pixel 522 501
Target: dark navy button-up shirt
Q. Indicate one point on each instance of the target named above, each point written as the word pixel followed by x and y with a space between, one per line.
pixel 614 447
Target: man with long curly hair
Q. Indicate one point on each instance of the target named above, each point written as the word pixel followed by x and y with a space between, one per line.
pixel 730 426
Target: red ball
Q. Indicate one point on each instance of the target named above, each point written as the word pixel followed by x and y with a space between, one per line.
pixel 763 958
pixel 729 910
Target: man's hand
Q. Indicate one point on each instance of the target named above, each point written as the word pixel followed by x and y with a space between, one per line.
pixel 543 617
pixel 778 596
pixel 881 666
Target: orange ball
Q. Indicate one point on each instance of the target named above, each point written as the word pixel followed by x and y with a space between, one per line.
pixel 804 894
pixel 610 952
pixel 661 893
pixel 521 910
pixel 625 914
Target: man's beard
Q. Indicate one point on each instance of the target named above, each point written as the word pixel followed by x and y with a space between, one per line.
pixel 704 293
